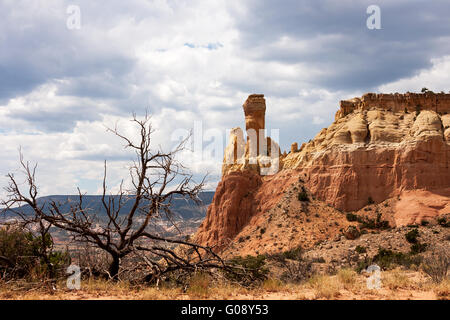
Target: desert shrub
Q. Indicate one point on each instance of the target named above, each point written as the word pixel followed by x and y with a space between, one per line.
pixel 436 263
pixel 198 285
pixel 360 249
pixel 387 259
pixel 412 235
pixel 396 280
pixel 442 290
pixel 22 254
pixel 296 271
pixel 370 201
pixel 418 247
pixel 272 285
pixel 303 195
pixel 293 254
pixel 351 217
pixel 248 270
pixel 351 233
pixel 16 251
pixel 367 223
pixel 418 109
pixel 324 287
pixel 318 260
pixel 443 222
pixel 347 277
pixel 295 267
pixel 424 223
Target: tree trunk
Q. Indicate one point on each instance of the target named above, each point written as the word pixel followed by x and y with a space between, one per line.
pixel 114 267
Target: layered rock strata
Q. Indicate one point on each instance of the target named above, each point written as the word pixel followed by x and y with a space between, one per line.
pixel 379 146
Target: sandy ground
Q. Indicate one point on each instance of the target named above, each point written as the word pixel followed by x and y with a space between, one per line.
pixel 346 285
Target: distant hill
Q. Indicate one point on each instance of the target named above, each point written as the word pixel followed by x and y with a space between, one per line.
pixel 183 208
pixel 187 215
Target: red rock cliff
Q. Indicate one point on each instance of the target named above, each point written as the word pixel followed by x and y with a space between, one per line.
pixel 378 147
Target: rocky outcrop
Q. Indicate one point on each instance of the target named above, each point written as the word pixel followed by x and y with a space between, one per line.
pixel 380 146
pixel 258 152
pixel 372 151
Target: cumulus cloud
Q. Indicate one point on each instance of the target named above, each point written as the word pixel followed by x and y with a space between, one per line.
pixel 191 62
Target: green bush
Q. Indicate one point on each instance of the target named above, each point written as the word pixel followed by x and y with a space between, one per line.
pixel 443 222
pixel 25 254
pixel 418 109
pixel 360 249
pixel 437 263
pixel 418 247
pixel 303 195
pixel 247 270
pixel 388 259
pixel 367 223
pixel 424 223
pixel 351 217
pixel 294 254
pixel 412 235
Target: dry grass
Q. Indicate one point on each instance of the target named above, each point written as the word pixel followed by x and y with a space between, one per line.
pixel 225 291
pixel 273 285
pixel 346 284
pixel 199 285
pixel 348 279
pixel 397 279
pixel 153 293
pixel 325 287
pixel 442 290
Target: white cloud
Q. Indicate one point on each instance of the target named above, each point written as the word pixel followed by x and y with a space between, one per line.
pixel 436 78
pixel 62 87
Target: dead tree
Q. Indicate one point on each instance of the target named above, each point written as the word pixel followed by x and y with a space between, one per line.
pixel 156 178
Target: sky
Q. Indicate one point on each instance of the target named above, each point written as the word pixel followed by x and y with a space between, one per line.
pixel 70 69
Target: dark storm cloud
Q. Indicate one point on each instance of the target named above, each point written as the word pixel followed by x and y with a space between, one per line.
pixel 61 120
pixel 338 43
pixel 37 48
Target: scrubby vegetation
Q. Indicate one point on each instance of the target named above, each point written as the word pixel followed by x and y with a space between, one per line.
pixel 437 263
pixel 412 235
pixel 443 222
pixel 367 223
pixel 27 255
pixel 303 195
pixel 388 259
pixel 251 270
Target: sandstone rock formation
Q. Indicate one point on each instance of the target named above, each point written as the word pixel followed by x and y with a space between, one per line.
pixel 380 146
pixel 257 152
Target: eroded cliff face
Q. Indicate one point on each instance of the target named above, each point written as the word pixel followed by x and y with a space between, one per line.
pixel 377 148
pixel 380 146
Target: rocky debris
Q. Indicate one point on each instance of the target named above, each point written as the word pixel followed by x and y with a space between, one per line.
pixel 346 253
pixel 351 233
